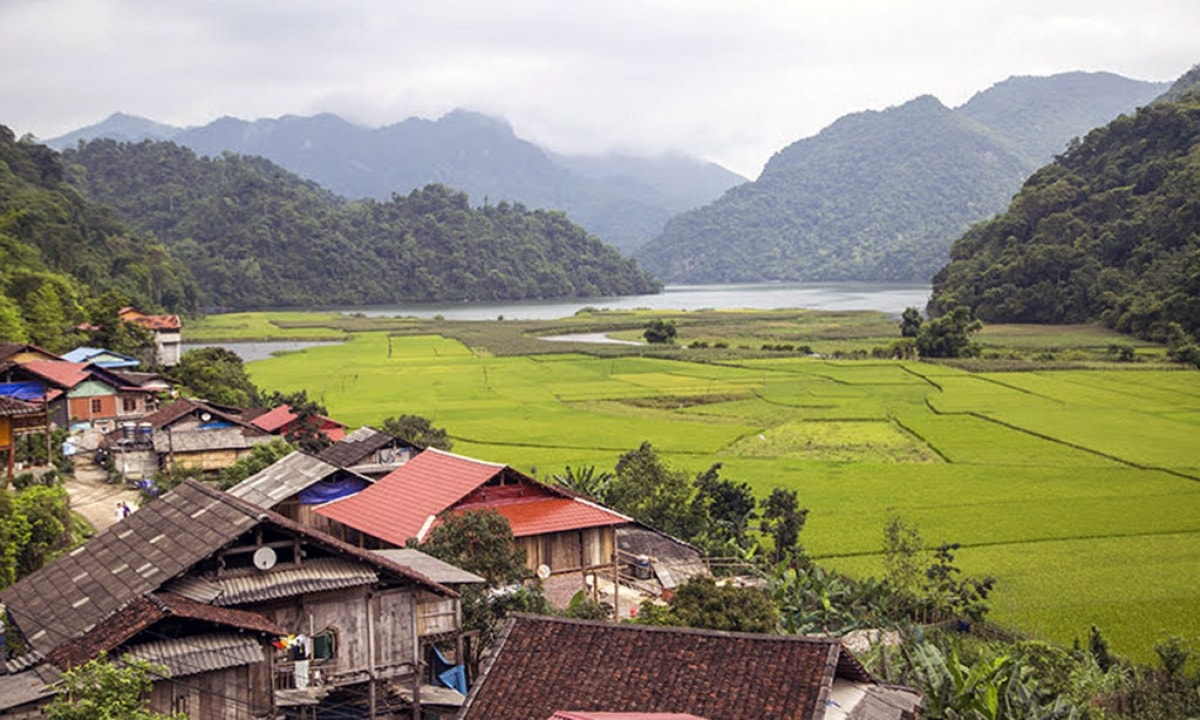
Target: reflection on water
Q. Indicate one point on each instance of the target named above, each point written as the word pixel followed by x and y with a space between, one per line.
pixel 891 299
pixel 250 351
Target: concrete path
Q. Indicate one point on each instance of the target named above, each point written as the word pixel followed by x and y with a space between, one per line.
pixel 92 497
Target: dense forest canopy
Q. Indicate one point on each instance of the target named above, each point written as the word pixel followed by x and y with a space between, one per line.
pixel 1110 231
pixel 880 196
pixel 255 235
pixel 60 253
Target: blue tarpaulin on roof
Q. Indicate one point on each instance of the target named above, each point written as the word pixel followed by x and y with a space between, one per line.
pixel 326 490
pixel 22 390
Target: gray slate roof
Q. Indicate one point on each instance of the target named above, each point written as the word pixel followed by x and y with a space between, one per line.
pixel 356 447
pixel 431 567
pixel 283 479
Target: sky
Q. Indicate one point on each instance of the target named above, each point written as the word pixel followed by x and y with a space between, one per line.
pixel 729 81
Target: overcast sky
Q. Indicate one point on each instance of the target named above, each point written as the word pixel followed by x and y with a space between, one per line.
pixel 730 81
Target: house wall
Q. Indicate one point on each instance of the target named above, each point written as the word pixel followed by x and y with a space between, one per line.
pixel 80 408
pixel 569 551
pixel 436 614
pixel 356 614
pixel 167 346
pixel 208 459
pixel 238 693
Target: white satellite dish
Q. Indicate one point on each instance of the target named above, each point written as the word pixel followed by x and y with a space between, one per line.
pixel 205 417
pixel 543 571
pixel 264 558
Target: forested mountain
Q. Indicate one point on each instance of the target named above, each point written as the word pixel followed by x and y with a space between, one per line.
pixel 881 195
pixel 623 200
pixel 256 235
pixel 1109 231
pixel 59 253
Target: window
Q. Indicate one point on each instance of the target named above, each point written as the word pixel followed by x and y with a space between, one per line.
pixel 97 406
pixel 129 404
pixel 324 644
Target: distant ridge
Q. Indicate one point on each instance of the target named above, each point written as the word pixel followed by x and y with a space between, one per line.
pixel 879 196
pixel 624 200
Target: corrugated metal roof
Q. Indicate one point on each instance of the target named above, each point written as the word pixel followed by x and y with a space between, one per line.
pixel 280 481
pixel 66 374
pixel 397 506
pixel 429 566
pixel 22 688
pixel 314 575
pixel 199 653
pixel 543 515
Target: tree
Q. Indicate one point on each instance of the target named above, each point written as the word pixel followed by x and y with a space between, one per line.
pixel 14 535
pixel 903 561
pixel 586 481
pixel 46 510
pixel 481 541
pixel 647 488
pixel 949 336
pixel 725 508
pixel 783 519
pixel 217 375
pixel 417 430
pixel 12 326
pixel 702 603
pixel 660 331
pixel 114 333
pixel 260 457
pixel 910 322
pixel 101 690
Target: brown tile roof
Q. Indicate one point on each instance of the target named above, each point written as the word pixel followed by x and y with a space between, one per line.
pixel 356 447
pixel 11 407
pixel 543 665
pixel 86 587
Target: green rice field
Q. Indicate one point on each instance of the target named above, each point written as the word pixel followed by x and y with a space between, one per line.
pixel 1079 490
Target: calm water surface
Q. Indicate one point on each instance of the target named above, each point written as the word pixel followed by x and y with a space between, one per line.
pixel 891 299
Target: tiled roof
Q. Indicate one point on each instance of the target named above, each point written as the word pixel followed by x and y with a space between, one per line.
pixel 543 665
pixel 356 447
pixel 621 716
pixel 11 407
pixel 228 438
pixel 282 479
pixel 199 653
pixel 152 322
pixel 186 406
pixel 543 515
pixel 406 500
pixel 86 587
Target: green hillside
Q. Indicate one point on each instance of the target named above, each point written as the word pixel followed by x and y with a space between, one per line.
pixel 880 196
pixel 58 252
pixel 1109 231
pixel 255 235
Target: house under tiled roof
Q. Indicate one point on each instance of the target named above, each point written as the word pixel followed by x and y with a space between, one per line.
pixel 543 665
pixel 356 447
pixel 93 583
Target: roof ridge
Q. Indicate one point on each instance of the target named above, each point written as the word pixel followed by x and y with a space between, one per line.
pixel 477 461
pixel 705 632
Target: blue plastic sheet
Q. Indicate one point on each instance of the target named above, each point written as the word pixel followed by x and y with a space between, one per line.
pixel 326 490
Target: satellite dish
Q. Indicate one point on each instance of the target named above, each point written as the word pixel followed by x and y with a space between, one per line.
pixel 264 558
pixel 206 416
pixel 543 571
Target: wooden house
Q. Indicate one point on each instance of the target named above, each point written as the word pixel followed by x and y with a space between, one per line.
pixel 83 396
pixel 188 433
pixel 18 418
pixel 297 484
pixel 543 667
pixel 369 452
pixel 21 353
pixel 560 532
pixel 225 594
pixel 167 329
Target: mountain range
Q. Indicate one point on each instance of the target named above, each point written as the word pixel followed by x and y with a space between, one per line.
pixel 881 195
pixel 624 200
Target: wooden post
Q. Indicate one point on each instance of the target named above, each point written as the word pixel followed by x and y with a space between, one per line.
pixel 617 587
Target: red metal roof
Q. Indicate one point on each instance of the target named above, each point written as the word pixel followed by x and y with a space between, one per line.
pixel 278 418
pixel 59 372
pixel 405 501
pixel 540 516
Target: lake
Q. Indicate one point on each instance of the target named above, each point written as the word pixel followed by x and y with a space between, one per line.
pixel 891 299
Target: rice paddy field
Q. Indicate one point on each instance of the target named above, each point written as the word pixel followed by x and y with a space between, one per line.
pixel 1078 489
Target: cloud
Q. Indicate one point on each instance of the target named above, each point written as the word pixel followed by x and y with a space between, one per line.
pixel 731 82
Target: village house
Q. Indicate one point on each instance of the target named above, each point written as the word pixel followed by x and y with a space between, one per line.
pixel 21 353
pixel 18 418
pixel 101 357
pixel 79 396
pixel 189 434
pixel 561 533
pixel 167 330
pixel 545 667
pixel 252 614
pixel 369 452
